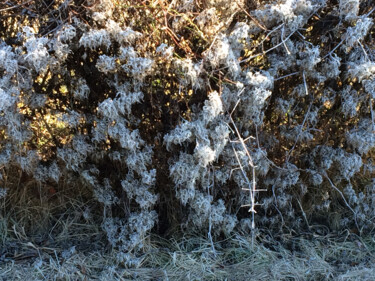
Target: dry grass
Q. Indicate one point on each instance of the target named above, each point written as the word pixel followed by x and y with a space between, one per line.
pixel 290 258
pixel 51 238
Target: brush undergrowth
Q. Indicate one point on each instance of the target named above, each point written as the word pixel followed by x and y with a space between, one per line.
pixel 187 140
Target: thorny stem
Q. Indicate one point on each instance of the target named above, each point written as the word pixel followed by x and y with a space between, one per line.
pixel 252 185
pixel 252 195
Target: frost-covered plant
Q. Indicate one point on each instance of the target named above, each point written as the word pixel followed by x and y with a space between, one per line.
pixel 356 34
pixel 348 164
pixel 349 101
pixel 361 70
pixel 239 38
pixel 189 73
pixel 363 204
pixel 309 57
pixel 96 38
pixel 165 51
pixel 8 61
pixel 191 171
pixel 44 173
pixel 349 9
pixel 36 52
pixel 331 68
pixel 293 13
pixel 212 104
pixel 81 90
pixel 122 35
pixel 67 33
pixel 106 64
pixel 362 138
pixel 222 54
pixel 254 96
pixel 3 193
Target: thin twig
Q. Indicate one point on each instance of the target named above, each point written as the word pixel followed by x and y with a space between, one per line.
pixel 15 6
pixel 363 49
pixel 338 45
pixel 282 39
pixel 251 17
pixel 282 77
pixel 369 13
pixel 343 198
pixel 269 50
pixel 209 234
pixel 303 214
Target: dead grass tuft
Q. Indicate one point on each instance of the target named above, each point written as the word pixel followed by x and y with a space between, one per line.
pixel 48 237
pixel 191 258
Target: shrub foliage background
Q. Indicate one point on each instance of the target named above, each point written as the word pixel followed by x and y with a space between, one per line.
pixel 210 116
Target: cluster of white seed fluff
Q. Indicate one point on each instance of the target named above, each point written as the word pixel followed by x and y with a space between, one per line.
pixel 193 173
pixel 36 56
pixel 125 233
pixel 221 154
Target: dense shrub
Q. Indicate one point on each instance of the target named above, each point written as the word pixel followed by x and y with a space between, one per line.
pixel 214 116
